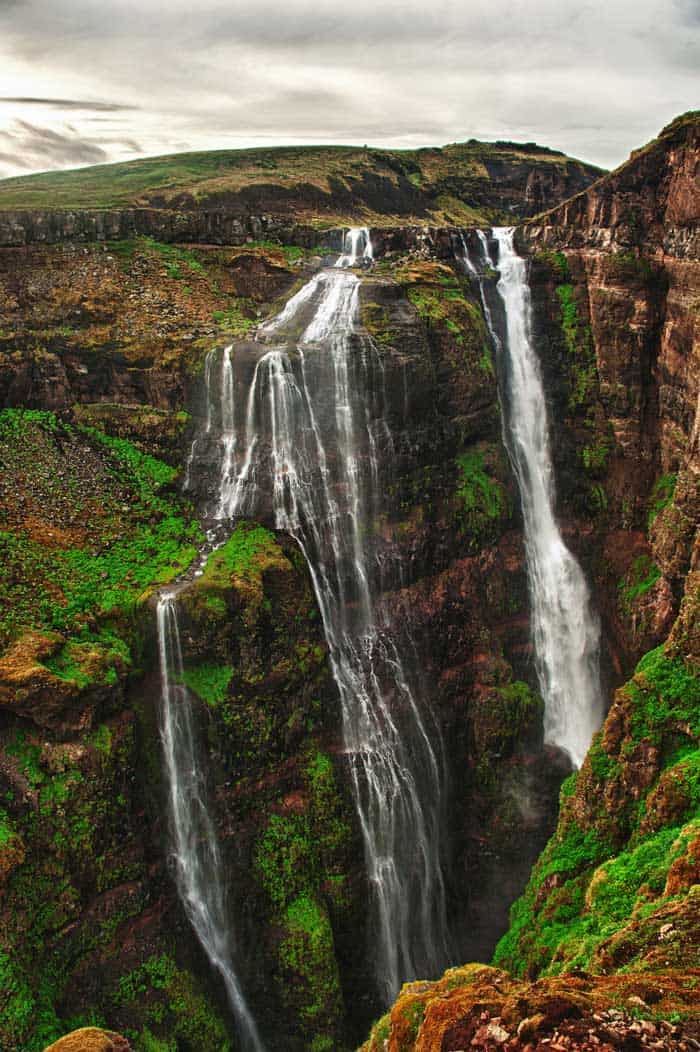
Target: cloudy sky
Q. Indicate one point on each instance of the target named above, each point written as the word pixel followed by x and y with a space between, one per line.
pixel 86 81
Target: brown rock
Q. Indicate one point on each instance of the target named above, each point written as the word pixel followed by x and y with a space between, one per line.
pixel 90 1039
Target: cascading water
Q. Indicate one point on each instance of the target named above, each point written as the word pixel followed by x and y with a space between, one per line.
pixel 313 446
pixel 195 850
pixel 566 631
pixel 357 247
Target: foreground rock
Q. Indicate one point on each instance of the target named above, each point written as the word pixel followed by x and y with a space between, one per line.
pixel 90 1039
pixel 481 1008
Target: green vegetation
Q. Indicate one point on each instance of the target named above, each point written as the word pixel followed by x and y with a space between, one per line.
pixel 129 536
pixel 291 253
pixel 7 833
pixel 241 555
pixel 482 498
pixel 416 180
pixel 579 344
pixel 661 497
pixel 177 261
pixel 299 859
pixel 639 579
pixel 209 682
pixel 308 953
pixel 665 693
pixel 595 456
pixel 445 303
pixel 237 320
pixel 608 881
pixel 377 322
pixel 174 1005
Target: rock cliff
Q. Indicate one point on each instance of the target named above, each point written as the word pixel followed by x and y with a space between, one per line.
pixel 610 912
pixel 103 337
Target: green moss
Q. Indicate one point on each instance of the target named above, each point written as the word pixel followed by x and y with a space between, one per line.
pixel 177 260
pixel 639 579
pixel 557 261
pixel 661 497
pixel 28 755
pixel 595 456
pixel 482 498
pixel 102 739
pixel 285 858
pixel 17 1004
pixel 209 682
pixel 327 817
pixel 588 884
pixel 307 951
pixel 67 588
pixel 665 693
pixel 377 322
pixel 300 861
pixel 577 338
pixel 7 833
pixel 531 940
pixel 241 555
pixel 237 319
pixel 290 252
pixel 175 1006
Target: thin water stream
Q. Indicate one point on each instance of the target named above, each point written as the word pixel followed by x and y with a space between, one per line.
pixel 194 845
pixel 566 630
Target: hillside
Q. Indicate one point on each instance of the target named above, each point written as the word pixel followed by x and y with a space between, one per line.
pixel 463 183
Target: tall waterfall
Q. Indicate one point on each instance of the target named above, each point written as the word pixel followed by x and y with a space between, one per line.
pixel 565 628
pixel 195 849
pixel 312 444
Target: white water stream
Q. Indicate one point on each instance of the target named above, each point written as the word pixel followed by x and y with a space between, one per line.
pixel 195 848
pixel 311 439
pixel 566 630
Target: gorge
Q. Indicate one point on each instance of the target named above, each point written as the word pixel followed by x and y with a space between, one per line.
pixel 443 484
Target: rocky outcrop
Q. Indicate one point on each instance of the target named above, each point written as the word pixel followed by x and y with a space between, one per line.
pixel 652 201
pixel 486 1010
pixel 90 1039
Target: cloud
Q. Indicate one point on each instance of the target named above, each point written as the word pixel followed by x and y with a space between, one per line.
pixel 590 77
pixel 25 146
pixel 68 104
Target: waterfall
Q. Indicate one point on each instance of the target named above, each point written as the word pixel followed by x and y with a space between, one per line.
pixel 566 630
pixel 357 247
pixel 313 445
pixel 195 850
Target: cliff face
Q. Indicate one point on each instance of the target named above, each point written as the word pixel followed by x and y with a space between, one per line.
pixel 105 348
pixel 102 351
pixel 612 900
pixel 651 201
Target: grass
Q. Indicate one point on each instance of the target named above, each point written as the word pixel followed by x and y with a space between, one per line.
pixel 438 180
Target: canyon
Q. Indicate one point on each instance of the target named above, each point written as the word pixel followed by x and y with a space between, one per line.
pixel 128 330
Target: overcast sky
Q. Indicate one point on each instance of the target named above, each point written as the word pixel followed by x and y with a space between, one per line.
pixel 86 81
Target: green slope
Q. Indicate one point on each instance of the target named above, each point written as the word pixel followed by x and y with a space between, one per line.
pixel 461 181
